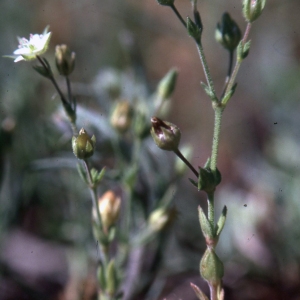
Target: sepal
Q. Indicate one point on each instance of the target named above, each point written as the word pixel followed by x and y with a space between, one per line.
pixel 193 30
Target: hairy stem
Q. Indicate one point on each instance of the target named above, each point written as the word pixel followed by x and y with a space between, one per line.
pixel 238 63
pixel 230 64
pixel 216 137
pixel 205 67
pixel 211 208
pixel 93 190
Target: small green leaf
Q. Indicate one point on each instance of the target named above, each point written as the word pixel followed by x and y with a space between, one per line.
pixel 111 278
pixel 221 221
pixel 209 92
pixel 130 175
pixel 193 182
pixel 228 96
pixel 100 175
pixel 243 50
pixel 97 176
pixel 246 49
pixel 167 84
pixel 42 71
pixel 207 164
pixel 101 277
pixel 205 225
pixel 82 173
pixel 94 174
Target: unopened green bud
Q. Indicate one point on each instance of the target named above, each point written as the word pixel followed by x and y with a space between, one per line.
pixel 121 116
pixel 211 267
pixel 228 33
pixel 165 134
pixel 167 85
pixel 65 60
pixel 206 180
pixel 83 145
pixel 141 124
pixel 252 9
pixel 158 219
pixel 193 30
pixel 166 2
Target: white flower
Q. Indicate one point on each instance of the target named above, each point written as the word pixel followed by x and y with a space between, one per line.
pixel 36 45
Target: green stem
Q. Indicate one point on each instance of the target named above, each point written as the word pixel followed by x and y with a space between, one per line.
pixel 216 137
pixel 205 67
pixel 70 96
pixel 52 79
pixel 238 63
pixel 228 73
pixel 211 208
pixel 129 186
pixel 129 194
pixel 93 190
pixel 61 95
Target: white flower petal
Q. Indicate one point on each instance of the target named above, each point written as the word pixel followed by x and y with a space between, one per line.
pixel 19 58
pixel 23 51
pixel 36 45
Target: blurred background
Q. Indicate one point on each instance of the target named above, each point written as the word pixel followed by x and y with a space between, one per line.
pixel 46 243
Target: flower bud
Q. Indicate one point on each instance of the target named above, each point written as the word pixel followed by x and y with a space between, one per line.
pixel 83 145
pixel 228 33
pixel 109 208
pixel 141 124
pixel 211 267
pixel 166 2
pixel 121 116
pixel 252 9
pixel 158 219
pixel 165 134
pixel 206 180
pixel 65 60
pixel 167 85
